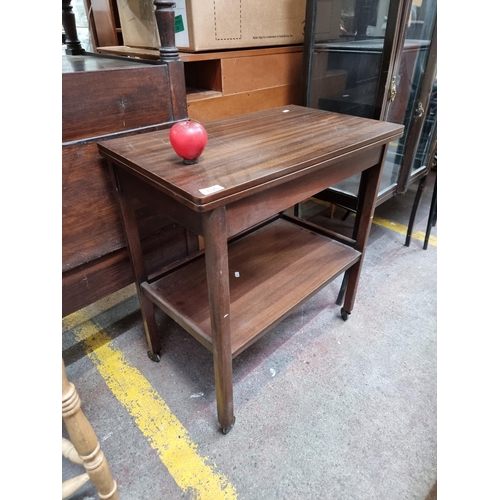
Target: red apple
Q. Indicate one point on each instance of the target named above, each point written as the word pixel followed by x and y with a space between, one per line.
pixel 188 138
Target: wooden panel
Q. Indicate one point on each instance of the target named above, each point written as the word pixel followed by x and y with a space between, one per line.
pixel 95 279
pixel 122 50
pixel 106 97
pixel 91 221
pixel 91 224
pixel 398 107
pixel 223 107
pixel 241 74
pixel 145 193
pixel 262 205
pixel 101 102
pixel 229 54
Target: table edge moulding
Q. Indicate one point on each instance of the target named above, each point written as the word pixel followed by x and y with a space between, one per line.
pixel 258 263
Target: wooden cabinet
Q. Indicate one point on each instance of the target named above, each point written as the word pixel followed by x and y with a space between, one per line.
pixel 102 98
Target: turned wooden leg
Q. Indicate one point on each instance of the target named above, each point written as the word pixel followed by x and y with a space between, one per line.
pixel 73 45
pixel 84 440
pixel 216 259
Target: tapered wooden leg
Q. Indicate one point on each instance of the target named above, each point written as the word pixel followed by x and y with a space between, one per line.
pixel 367 197
pixel 84 439
pixel 216 258
pixel 150 326
pixel 137 258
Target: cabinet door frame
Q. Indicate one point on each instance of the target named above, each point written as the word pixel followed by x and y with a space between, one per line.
pixel 399 10
pixel 391 52
pixel 406 176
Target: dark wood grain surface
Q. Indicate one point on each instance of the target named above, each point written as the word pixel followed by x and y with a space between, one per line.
pixel 131 97
pixel 271 271
pixel 248 151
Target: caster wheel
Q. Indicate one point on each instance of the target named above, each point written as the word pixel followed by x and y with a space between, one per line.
pixel 344 314
pixel 225 430
pixel 154 357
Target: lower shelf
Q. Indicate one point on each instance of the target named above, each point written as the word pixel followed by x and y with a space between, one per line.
pixel 272 271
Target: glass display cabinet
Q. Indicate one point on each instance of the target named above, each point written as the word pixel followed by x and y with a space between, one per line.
pixel 376 59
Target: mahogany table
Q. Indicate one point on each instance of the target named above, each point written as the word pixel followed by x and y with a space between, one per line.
pixel 258 264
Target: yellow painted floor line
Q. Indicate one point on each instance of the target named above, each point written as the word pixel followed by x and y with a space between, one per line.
pixel 402 229
pixel 159 425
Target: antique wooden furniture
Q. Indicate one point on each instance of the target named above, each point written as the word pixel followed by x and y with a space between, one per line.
pixel 380 62
pixel 105 97
pixel 83 447
pixel 258 264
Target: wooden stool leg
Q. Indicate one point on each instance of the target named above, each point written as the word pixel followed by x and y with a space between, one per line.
pixel 84 439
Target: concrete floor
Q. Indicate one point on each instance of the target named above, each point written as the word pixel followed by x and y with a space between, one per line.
pixel 324 408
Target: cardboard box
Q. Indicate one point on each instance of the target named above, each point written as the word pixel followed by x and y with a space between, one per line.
pixel 216 24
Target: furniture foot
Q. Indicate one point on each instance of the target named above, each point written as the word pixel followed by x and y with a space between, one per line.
pixel 154 357
pixel 345 314
pixel 225 430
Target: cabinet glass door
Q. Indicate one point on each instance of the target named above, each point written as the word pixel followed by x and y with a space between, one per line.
pixel 415 102
pixel 367 58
